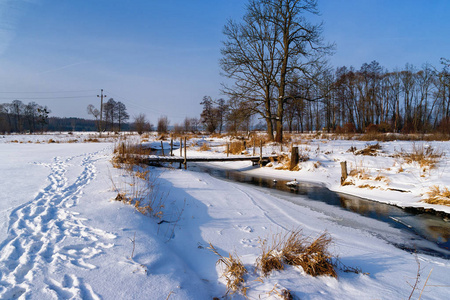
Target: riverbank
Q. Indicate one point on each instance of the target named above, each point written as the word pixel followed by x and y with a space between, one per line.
pixel 385 174
pixel 65 234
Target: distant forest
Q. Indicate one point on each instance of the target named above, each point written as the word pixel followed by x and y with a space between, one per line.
pixel 32 117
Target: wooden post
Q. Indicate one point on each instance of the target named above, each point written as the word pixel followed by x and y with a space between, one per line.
pixel 185 156
pixel 245 145
pixel 294 158
pixel 162 148
pixel 171 146
pixel 260 152
pixel 181 147
pixel 254 142
pixel 344 173
pixel 281 148
pixel 228 149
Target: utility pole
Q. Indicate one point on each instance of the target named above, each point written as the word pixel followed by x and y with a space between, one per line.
pixel 101 109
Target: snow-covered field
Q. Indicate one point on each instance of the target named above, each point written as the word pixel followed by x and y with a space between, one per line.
pixel 63 237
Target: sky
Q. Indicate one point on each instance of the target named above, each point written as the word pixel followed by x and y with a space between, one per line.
pixel 161 57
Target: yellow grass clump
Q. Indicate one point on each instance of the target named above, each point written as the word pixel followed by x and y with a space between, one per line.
pixel 296 250
pixel 205 147
pixel 425 156
pixel 370 150
pixel 234 272
pixel 236 147
pixel 438 196
pixel 128 155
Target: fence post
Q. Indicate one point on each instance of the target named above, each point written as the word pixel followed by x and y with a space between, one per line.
pixel 171 146
pixel 294 158
pixel 228 149
pixel 344 173
pixel 185 156
pixel 162 148
pixel 253 146
pixel 260 152
pixel 181 146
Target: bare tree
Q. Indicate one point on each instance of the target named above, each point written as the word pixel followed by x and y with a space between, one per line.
pixel 249 58
pixel 195 124
pixel 163 125
pixel 262 53
pixel 121 114
pixel 17 110
pixel 141 124
pixel 91 110
pixel 110 112
pixel 209 115
pixel 187 124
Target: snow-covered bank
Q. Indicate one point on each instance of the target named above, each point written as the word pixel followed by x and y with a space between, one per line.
pixel 64 237
pixel 386 177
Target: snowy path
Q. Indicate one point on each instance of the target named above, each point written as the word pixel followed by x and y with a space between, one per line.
pixel 44 235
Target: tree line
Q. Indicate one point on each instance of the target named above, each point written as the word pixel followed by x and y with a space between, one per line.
pixel 20 117
pixel 373 98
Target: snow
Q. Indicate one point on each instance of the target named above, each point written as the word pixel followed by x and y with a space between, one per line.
pixel 63 237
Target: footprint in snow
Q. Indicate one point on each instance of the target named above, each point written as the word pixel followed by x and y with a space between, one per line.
pixel 250 243
pixel 245 228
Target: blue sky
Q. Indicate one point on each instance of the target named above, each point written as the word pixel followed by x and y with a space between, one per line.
pixel 161 57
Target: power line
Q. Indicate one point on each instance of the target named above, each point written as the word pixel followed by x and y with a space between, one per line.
pixel 142 107
pixel 45 98
pixel 53 92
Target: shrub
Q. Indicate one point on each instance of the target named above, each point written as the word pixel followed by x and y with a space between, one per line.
pixel 372 128
pixel 349 128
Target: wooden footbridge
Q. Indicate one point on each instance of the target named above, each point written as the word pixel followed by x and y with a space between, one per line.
pixel 260 160
pixel 256 160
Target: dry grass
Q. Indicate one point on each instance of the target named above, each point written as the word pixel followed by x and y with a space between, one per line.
pixel 234 272
pixel 126 154
pixel 360 173
pixel 140 188
pixel 438 196
pixel 284 162
pixel 236 147
pixel 297 250
pixel 205 147
pixel 425 156
pixel 371 150
pixel 92 140
pixel 270 258
pixel 283 294
pixel 387 137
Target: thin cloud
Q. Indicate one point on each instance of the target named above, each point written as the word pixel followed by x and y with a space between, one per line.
pixel 11 12
pixel 63 67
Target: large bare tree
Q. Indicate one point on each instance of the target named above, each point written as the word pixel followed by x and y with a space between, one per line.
pixel 274 41
pixel 249 59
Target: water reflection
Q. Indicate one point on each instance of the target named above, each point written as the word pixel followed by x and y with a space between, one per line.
pixel 426 225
